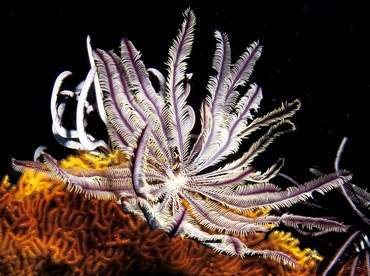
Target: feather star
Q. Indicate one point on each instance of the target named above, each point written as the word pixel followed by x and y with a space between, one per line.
pixel 195 186
pixel 353 256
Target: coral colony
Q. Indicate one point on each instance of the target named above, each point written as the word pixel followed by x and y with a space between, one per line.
pixel 153 165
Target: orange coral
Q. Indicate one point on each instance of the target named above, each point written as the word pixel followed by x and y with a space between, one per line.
pixel 45 229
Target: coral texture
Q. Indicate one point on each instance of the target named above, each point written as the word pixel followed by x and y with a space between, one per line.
pixel 45 229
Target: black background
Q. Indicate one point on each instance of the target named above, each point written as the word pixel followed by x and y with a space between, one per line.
pixel 316 51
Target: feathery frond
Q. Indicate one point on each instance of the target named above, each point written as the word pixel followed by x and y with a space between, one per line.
pixel 202 190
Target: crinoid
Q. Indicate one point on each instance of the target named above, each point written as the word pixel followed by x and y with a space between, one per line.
pixel 187 184
pixel 353 256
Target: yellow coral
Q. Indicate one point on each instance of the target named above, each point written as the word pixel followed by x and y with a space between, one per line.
pixel 88 161
pixel 45 228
